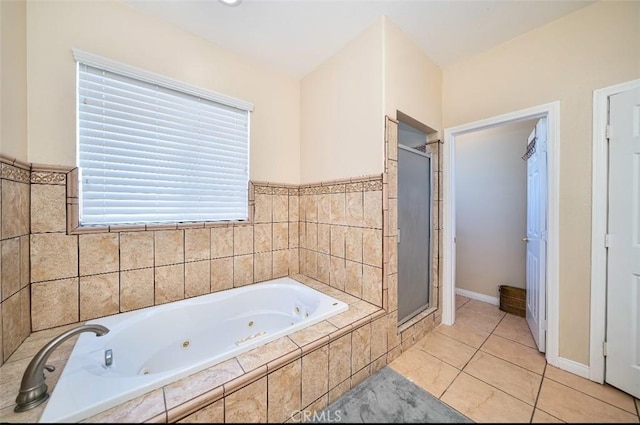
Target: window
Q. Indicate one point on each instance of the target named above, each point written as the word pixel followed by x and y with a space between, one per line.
pixel 153 150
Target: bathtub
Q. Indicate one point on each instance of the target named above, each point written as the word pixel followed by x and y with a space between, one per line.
pixel 154 346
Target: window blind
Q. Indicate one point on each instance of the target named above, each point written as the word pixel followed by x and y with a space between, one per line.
pixel 152 154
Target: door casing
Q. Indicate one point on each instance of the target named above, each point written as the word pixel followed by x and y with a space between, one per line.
pixel 599 197
pixel 552 112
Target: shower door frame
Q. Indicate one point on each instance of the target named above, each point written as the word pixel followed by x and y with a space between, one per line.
pixel 430 300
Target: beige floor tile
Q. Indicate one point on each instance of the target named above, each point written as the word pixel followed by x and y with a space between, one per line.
pixel 605 392
pixel 570 405
pixel 463 333
pixel 447 349
pixel 461 300
pixel 484 308
pixel 514 380
pixel 541 417
pixel 486 322
pixel 483 403
pixel 424 370
pixel 527 357
pixel 516 329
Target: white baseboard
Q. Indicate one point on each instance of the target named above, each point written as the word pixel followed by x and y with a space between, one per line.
pixel 476 296
pixel 573 367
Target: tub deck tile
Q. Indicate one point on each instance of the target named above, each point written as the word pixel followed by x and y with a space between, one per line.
pixel 140 409
pixel 195 404
pixel 312 333
pixel 264 354
pixel 244 380
pixel 348 317
pixel 201 382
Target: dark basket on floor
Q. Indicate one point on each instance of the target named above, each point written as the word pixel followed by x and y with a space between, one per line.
pixel 513 300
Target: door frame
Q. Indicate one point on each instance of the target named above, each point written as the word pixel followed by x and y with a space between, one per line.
pixel 600 203
pixel 552 112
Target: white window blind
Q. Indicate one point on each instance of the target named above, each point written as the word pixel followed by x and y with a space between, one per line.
pixel 152 154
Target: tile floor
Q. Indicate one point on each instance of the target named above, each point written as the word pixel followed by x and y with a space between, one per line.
pixel 486 366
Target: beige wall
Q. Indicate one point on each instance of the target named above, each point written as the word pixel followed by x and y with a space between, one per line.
pixel 565 60
pixel 413 84
pixel 119 32
pixel 13 80
pixel 491 208
pixel 342 112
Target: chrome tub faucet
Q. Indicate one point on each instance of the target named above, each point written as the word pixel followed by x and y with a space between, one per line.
pixel 33 390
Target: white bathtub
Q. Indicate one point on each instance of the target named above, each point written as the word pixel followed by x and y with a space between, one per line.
pixel 158 345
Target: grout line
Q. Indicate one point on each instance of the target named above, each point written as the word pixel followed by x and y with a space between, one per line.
pixel 535 403
pixel 593 397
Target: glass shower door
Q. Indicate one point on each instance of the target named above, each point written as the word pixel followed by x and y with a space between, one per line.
pixel 414 232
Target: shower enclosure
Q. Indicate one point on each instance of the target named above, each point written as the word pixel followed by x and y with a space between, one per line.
pixel 414 227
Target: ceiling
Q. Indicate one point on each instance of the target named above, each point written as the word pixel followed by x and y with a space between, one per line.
pixel 295 36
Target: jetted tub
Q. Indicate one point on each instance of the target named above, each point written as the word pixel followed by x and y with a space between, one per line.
pixel 157 345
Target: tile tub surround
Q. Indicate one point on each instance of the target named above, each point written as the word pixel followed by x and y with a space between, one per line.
pixel 15 323
pixel 307 369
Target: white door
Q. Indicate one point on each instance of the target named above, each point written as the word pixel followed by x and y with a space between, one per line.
pixel 536 234
pixel 623 270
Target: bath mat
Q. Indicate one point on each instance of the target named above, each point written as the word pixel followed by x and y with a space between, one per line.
pixel 388 397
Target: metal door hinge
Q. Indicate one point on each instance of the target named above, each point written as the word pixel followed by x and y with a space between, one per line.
pixel 607 132
pixel 607 240
pixel 604 348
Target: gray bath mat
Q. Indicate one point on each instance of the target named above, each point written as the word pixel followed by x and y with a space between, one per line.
pixel 387 397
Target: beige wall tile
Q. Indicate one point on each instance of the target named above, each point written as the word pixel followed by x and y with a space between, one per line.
pixel 393 292
pixel 354 209
pixel 339 390
pixel 315 378
pixel 248 404
pixel 48 208
pixel 213 413
pixel 136 250
pixel 353 244
pixel 47 314
pixel 284 392
pixel 393 179
pixel 262 266
pixel 264 208
pixel 293 208
pixel 280 263
pixel 25 312
pixel 11 325
pixel 302 234
pixel 24 261
pixel 10 267
pixel 294 261
pixel 392 245
pixel 311 264
pixel 338 209
pixel 311 208
pixel 360 376
pixel 280 208
pixel 372 284
pixel 99 253
pixel 169 283
pixel 99 295
pixel 262 237
pixel 361 347
pixel 197 244
pixel 372 247
pixel 280 236
pixel 16 210
pixel 311 236
pixel 169 247
pixel 293 235
pixel 323 268
pixel 372 209
pixel 324 238
pixel 242 270
pixel 324 208
pixel 353 278
pixel 242 240
pixel 339 360
pixel 338 234
pixel 393 217
pixel 197 278
pixel 222 242
pixel 378 337
pixel 221 274
pixel 53 256
pixel 136 289
pixel 337 276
